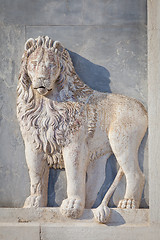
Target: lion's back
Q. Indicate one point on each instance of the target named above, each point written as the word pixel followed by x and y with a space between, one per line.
pixel 120 109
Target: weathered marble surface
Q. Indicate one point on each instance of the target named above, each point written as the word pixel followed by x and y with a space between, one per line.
pixel 13 169
pixel 52 215
pixel 154 106
pixel 114 51
pixel 73 12
pixel 61 231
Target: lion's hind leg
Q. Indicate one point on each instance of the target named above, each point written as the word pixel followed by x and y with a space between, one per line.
pixel 134 180
pixel 125 144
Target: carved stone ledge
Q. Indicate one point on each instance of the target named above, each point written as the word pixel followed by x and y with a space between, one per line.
pixel 53 215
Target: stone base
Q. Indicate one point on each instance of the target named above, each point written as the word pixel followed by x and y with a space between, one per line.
pixel 49 224
pixel 53 215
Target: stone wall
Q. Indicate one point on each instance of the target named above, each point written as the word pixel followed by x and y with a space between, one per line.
pixel 107 41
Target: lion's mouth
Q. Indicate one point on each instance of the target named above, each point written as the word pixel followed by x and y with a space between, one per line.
pixel 42 90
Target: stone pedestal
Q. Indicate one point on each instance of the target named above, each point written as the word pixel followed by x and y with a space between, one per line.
pixel 48 224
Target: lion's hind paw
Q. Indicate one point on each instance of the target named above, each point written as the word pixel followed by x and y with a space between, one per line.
pixel 127 203
pixel 102 213
pixel 72 208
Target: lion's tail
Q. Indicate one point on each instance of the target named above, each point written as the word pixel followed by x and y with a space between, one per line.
pixel 113 186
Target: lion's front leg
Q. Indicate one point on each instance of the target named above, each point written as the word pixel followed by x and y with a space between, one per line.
pixel 75 158
pixel 38 172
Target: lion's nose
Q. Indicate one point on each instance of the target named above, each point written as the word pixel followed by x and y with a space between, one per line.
pixel 41 80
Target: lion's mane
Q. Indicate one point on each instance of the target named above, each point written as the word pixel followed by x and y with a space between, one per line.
pixel 50 122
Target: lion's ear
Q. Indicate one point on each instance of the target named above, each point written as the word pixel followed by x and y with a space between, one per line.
pixel 30 43
pixel 58 46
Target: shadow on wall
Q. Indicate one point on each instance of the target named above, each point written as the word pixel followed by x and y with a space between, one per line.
pixel 95 76
pixel 53 178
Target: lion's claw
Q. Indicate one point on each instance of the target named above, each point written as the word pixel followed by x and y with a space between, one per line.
pixel 72 207
pixel 127 203
pixel 102 213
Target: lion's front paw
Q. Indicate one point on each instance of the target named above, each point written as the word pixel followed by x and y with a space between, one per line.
pixel 127 203
pixel 72 207
pixel 34 201
pixel 102 213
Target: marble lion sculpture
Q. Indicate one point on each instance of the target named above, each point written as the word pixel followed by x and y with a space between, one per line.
pixel 65 124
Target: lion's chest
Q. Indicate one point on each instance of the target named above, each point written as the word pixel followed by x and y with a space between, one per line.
pixel 49 127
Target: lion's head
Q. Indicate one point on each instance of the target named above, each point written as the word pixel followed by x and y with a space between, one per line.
pixel 47 67
pixel 43 65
